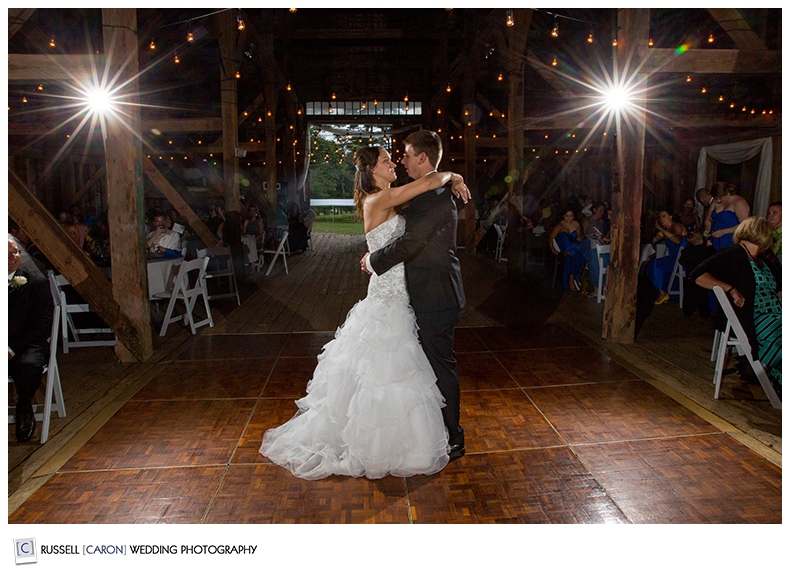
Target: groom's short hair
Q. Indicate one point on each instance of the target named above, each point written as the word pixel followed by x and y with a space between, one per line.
pixel 428 142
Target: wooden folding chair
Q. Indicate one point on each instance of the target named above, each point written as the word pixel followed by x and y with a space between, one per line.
pixel 69 311
pixel 734 336
pixel 188 292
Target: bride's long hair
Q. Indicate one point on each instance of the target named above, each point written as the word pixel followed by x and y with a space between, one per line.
pixel 365 160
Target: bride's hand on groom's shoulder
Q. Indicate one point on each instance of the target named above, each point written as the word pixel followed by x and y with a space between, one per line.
pixel 459 188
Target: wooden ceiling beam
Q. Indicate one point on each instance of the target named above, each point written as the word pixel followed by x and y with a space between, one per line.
pixel 52 68
pixel 699 61
pixel 17 18
pixel 736 27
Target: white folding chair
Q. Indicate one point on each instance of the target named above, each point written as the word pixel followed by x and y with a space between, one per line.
pixel 220 265
pixel 679 275
pixel 53 393
pixel 501 232
pixel 280 251
pixel 56 284
pixel 600 250
pixel 734 336
pixel 187 291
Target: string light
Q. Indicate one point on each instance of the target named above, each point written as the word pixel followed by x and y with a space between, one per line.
pixel 555 31
pixel 650 42
pixel 554 62
pixel 176 60
pixel 152 45
pixel 710 39
pixel 614 42
pixel 449 89
pixel 190 37
pixel 288 87
pixel 238 74
pixel 688 78
pixel 500 77
pixel 704 90
pixel 52 43
pixel 590 38
pixel 239 21
pixel 292 10
pixel 510 21
pixel 41 87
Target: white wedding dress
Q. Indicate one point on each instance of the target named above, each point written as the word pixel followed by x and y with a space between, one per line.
pixel 372 407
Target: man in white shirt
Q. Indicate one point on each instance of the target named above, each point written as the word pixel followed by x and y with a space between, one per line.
pixel 161 237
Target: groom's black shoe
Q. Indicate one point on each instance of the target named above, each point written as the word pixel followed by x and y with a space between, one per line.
pixel 25 424
pixel 456 450
pixel 456 447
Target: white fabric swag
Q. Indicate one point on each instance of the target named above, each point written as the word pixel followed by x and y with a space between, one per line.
pixel 738 153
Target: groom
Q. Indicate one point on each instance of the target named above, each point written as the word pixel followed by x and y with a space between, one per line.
pixel 433 275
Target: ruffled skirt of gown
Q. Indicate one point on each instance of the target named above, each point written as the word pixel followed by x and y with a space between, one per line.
pixel 372 407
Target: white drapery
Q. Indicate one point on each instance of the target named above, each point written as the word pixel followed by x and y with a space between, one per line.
pixel 738 153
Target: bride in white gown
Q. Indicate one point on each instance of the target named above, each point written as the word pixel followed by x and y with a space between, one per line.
pixel 372 406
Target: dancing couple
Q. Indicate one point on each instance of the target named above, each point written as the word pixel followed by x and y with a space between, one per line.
pixel 385 395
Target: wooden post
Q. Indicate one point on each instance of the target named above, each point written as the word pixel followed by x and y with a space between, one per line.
pixel 621 283
pixel 230 110
pixel 516 52
pixel 470 158
pixel 125 193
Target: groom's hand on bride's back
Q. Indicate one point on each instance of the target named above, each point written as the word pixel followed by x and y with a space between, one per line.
pixel 363 263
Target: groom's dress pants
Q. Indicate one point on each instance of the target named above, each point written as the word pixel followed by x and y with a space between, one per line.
pixel 437 336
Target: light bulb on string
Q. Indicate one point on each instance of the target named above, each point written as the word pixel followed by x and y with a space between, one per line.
pixel 509 20
pixel 500 77
pixel 555 31
pixel 239 21
pixel 238 74
pixel 176 60
pixel 152 45
pixel 710 39
pixel 590 38
pixel 650 42
pixel 614 42
pixel 52 43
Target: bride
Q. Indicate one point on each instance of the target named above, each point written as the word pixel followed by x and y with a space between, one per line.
pixel 372 407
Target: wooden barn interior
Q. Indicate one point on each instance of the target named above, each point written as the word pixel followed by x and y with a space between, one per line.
pixel 215 106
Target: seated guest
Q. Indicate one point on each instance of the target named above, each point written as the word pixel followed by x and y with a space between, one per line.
pixel 689 216
pixel 254 225
pixel 30 311
pixel 593 229
pixel 727 210
pixel 33 261
pixel 573 246
pixel 752 279
pixel 162 238
pixel 774 217
pixel 659 270
pixel 297 230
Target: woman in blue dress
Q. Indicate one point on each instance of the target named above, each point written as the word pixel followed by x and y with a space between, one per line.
pixel 727 210
pixel 572 244
pixel 659 270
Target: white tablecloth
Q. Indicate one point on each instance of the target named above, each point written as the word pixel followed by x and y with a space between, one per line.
pixel 161 273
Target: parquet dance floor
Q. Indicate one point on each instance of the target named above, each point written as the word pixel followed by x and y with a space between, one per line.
pixel 556 432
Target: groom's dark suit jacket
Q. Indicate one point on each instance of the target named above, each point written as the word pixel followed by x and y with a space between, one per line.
pixel 433 273
pixel 29 314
